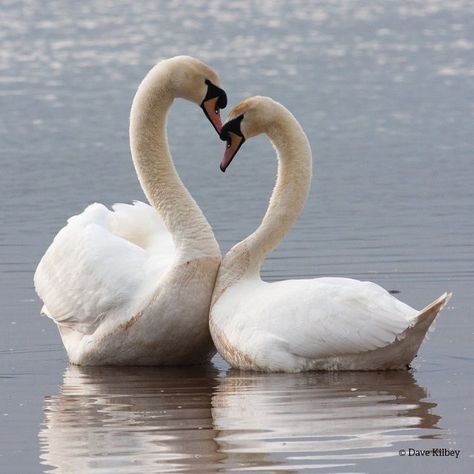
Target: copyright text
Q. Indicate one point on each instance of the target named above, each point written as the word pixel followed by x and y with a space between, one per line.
pixel 433 452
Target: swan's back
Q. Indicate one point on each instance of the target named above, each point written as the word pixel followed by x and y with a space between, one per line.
pixel 292 324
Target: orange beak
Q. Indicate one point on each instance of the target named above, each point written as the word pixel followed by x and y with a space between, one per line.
pixel 215 99
pixel 212 112
pixel 232 134
pixel 234 142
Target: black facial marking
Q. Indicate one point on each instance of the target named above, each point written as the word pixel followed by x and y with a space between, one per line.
pixel 214 91
pixel 232 126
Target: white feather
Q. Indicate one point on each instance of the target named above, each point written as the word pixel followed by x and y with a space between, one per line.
pixel 297 325
pixel 132 285
pixel 95 264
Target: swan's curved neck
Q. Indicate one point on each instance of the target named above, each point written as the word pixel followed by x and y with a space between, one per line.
pixel 164 189
pixel 286 203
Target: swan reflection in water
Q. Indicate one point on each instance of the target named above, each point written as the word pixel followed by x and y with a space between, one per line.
pixel 318 420
pixel 133 419
pixel 202 420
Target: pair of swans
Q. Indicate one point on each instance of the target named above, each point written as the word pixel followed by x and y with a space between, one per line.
pixel 144 285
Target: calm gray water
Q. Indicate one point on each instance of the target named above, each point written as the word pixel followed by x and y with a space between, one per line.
pixel 385 92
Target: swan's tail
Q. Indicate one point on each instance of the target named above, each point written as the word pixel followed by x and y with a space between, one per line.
pixel 416 333
pixel 428 314
pixel 399 354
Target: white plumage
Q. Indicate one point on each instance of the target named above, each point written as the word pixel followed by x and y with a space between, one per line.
pixel 132 285
pixel 298 325
pixel 101 262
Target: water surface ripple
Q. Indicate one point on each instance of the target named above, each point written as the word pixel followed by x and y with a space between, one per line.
pixel 385 93
pixel 200 420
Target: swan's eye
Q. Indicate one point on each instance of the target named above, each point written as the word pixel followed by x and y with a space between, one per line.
pixel 229 142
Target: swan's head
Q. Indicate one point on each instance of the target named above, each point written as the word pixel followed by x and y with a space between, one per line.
pixel 191 79
pixel 247 119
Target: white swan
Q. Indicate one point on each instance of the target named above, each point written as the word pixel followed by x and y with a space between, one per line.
pixel 133 286
pixel 299 325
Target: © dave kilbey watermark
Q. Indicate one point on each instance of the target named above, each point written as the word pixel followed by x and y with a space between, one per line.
pixel 432 452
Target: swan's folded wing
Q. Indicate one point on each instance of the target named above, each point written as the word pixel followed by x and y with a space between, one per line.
pixel 328 317
pixel 89 273
pixel 140 224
